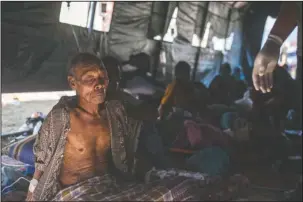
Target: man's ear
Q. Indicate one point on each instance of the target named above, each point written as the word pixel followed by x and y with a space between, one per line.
pixel 72 82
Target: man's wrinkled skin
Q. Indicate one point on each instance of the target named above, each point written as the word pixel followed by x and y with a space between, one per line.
pixel 88 141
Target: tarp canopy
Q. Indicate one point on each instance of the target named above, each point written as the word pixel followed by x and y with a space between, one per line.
pixel 36 46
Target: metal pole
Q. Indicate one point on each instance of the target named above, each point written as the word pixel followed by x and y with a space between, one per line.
pixel 202 30
pixel 159 44
pixel 92 17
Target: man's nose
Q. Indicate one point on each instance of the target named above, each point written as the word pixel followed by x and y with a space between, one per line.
pixel 101 83
pixel 99 86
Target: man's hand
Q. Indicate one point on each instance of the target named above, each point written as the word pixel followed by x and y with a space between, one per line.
pixel 265 63
pixel 29 196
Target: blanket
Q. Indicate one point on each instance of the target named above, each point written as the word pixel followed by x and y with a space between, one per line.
pixel 21 150
pixel 11 172
pixel 166 185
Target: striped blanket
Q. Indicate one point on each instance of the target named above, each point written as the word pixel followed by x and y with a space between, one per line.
pixel 21 150
pixel 169 185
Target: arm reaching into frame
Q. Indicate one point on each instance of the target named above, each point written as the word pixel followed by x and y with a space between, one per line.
pixel 267 59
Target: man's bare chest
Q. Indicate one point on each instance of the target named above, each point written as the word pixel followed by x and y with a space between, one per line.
pixel 87 135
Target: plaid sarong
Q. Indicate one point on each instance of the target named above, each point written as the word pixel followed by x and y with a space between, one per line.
pixel 160 185
pixel 106 188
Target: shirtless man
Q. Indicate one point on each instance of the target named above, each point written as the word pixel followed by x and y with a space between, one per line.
pixel 76 139
pixel 88 140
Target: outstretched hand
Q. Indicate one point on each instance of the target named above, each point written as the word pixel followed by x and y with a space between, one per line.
pixel 264 65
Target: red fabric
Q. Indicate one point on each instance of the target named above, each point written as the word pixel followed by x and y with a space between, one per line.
pixel 198 136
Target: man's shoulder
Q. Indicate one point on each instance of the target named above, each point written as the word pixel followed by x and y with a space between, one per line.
pixel 64 104
pixel 115 104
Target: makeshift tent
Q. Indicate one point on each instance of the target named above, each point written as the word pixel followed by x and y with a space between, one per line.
pixel 36 46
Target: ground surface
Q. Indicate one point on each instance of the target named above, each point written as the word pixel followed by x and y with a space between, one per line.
pixel 14 115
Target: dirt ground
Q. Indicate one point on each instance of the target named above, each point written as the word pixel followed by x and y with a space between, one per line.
pixel 14 115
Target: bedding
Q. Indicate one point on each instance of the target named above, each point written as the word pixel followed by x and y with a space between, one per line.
pixel 11 171
pixel 22 150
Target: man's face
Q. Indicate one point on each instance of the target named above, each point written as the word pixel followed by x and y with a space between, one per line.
pixel 90 83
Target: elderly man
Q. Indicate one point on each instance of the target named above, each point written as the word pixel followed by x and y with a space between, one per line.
pixel 76 137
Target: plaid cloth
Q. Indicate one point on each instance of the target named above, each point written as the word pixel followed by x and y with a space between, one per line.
pixel 161 185
pixel 106 188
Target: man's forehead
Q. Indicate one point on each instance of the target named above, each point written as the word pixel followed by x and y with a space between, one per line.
pixel 83 69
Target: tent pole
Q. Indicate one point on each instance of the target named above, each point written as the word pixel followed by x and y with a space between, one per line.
pixel 92 17
pixel 159 44
pixel 202 30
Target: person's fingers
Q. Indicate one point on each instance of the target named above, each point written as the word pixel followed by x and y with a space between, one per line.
pixel 271 67
pixel 255 73
pixel 255 78
pixel 262 83
pixel 266 84
pixel 269 81
pixel 261 73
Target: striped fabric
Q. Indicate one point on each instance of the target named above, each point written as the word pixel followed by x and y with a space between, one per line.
pixel 23 150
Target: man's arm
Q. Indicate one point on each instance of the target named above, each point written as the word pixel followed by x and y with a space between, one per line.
pixel 167 98
pixel 267 59
pixel 42 153
pixel 286 20
pixel 168 93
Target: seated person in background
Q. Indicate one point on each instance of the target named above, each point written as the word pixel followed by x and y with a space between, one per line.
pixel 81 130
pixel 179 93
pixel 202 98
pixel 240 86
pixel 134 76
pixel 222 87
pixel 135 107
pixel 113 68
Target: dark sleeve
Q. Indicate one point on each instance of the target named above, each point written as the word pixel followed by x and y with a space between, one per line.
pixel 131 133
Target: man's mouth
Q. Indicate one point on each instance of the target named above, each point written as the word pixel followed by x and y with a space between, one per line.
pixel 100 93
